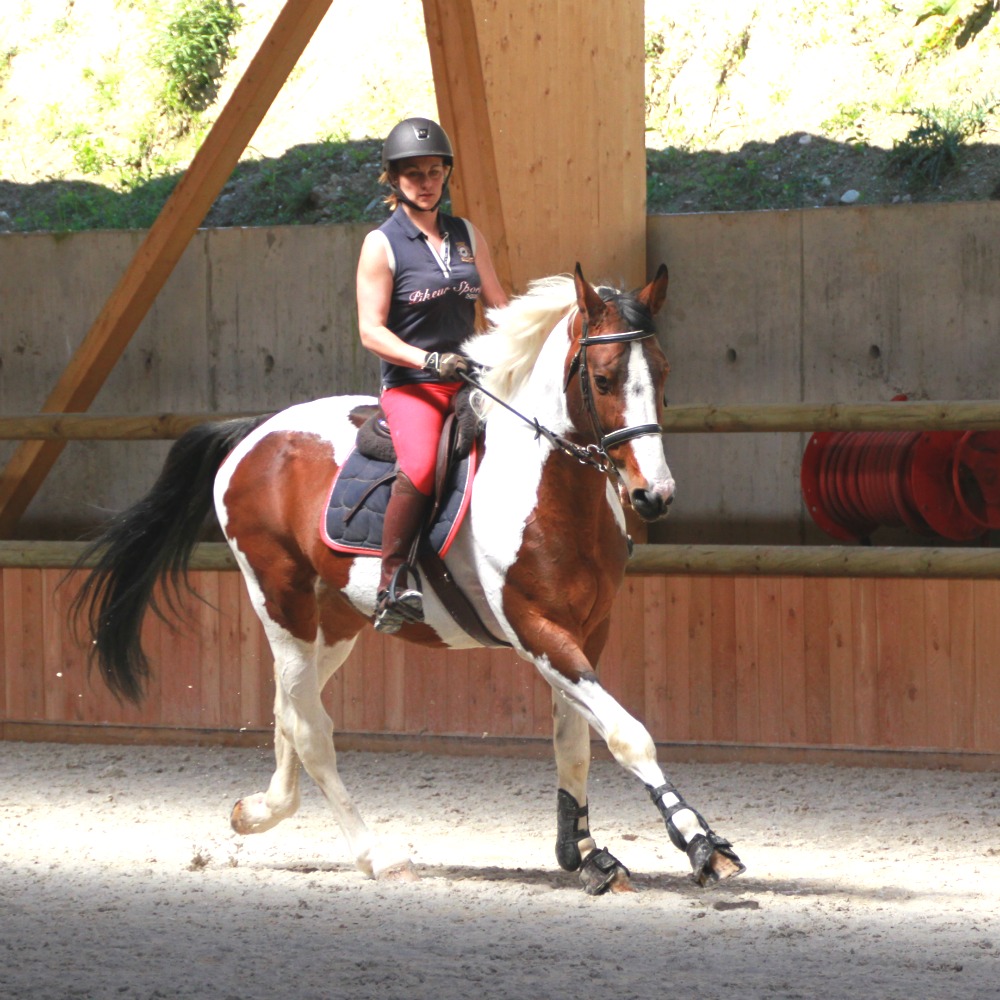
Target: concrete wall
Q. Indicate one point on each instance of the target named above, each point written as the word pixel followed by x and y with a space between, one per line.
pixel 250 319
pixel 835 305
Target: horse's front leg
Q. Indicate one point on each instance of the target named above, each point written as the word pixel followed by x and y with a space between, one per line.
pixel 576 849
pixel 567 669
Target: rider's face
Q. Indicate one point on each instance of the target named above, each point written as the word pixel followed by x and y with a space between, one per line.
pixel 421 179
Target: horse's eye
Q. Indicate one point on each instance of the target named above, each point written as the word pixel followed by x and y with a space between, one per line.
pixel 666 402
pixel 602 383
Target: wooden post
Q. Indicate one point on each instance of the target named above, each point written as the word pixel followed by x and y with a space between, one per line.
pixel 461 98
pixel 162 247
pixel 548 98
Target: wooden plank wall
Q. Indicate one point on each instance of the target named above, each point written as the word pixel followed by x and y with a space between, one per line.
pixel 704 661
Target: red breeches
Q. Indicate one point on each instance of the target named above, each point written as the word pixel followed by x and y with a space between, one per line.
pixel 416 415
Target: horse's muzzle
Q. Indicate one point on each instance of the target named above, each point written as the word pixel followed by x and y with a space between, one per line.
pixel 651 505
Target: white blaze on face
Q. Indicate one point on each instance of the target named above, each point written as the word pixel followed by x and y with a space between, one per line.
pixel 643 407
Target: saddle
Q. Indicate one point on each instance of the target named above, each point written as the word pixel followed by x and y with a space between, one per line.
pixel 360 493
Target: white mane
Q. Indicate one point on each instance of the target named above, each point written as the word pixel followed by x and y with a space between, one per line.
pixel 517 332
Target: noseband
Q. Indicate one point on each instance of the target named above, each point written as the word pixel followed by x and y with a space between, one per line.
pixel 579 363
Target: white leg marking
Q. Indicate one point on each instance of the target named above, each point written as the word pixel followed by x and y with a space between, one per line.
pixel 300 714
pixel 627 738
pixel 571 741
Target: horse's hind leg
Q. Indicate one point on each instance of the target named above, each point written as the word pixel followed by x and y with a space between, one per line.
pixel 263 810
pixel 576 849
pixel 259 812
pixel 304 732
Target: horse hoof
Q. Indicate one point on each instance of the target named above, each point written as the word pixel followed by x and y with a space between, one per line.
pixel 401 872
pixel 602 872
pixel 251 815
pixel 238 821
pixel 622 883
pixel 720 867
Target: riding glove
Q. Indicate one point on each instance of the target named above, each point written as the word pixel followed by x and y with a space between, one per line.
pixel 448 367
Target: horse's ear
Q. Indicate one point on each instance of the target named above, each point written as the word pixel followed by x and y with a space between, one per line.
pixel 590 303
pixel 654 294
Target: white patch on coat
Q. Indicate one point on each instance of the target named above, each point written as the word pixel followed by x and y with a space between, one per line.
pixel 505 491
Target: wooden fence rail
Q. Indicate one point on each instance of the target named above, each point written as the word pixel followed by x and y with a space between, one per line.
pixel 832 561
pixel 685 418
pixel 97 427
pixel 929 415
pixel 675 560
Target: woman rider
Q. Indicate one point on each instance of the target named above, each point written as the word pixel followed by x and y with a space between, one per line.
pixel 419 277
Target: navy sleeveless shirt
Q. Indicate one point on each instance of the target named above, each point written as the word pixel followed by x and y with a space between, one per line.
pixel 433 295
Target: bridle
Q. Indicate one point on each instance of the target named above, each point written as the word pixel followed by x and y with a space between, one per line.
pixel 579 363
pixel 595 455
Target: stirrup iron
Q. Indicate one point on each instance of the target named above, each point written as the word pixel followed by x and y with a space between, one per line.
pixel 394 607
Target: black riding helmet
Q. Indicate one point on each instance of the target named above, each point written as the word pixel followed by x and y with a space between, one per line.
pixel 416 137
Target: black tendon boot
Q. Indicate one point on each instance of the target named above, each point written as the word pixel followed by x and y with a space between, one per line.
pixel 404 517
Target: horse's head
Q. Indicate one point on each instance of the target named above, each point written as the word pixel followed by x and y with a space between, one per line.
pixel 618 392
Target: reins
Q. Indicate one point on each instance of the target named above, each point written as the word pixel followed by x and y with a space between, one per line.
pixel 590 454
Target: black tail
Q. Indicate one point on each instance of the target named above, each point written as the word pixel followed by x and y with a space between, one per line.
pixel 151 539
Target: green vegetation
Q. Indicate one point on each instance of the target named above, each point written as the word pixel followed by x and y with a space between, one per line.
pixel 192 50
pixel 745 110
pixel 933 146
pixel 963 21
pixel 329 181
pixel 664 60
pixel 107 87
pixel 756 177
pixel 71 206
pixel 6 58
pixel 848 123
pixel 135 171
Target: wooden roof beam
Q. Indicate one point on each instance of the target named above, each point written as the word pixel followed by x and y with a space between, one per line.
pixel 162 248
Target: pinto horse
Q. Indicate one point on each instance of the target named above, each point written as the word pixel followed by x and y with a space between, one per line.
pixel 540 555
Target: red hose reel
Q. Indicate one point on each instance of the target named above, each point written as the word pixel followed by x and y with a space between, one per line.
pixel 944 483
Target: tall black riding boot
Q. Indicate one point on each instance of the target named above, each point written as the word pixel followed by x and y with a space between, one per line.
pixel 404 519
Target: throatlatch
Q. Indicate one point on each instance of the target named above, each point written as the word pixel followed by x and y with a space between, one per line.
pixel 702 845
